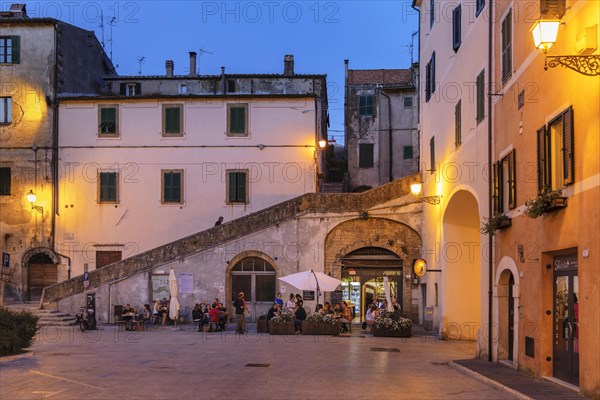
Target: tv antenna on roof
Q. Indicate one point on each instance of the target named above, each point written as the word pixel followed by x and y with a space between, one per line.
pixel 202 51
pixel 111 23
pixel 141 60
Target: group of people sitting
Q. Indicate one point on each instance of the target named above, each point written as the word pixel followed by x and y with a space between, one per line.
pixel 295 306
pixel 135 316
pixel 376 308
pixel 161 312
pixel 212 315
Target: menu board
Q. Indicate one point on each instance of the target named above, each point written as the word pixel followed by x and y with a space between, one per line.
pixel 186 282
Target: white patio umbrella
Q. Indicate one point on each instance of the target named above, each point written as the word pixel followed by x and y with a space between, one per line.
pixel 174 303
pixel 386 289
pixel 311 280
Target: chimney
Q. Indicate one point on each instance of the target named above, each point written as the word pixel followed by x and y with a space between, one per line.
pixel 193 71
pixel 223 83
pixel 170 67
pixel 18 11
pixel 288 65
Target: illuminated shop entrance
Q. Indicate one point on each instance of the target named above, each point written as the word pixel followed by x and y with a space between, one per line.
pixel 363 271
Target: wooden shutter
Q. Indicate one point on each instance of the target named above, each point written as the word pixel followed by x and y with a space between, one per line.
pixel 104 258
pixel 432 154
pixel 457 124
pixel 365 155
pixel 428 81
pixel 123 89
pixel 456 27
pixel 507 46
pixel 496 184
pixel 138 89
pixel 433 72
pixel 480 96
pixel 512 180
pixel 108 119
pixel 568 146
pixel 370 104
pixel 241 187
pixel 172 187
pixel 541 158
pixel 172 120
pixel 237 119
pixel 16 49
pixel 232 187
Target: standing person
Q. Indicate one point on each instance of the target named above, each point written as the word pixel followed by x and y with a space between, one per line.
pixel 240 309
pixel 299 316
pixel 219 221
pixel 291 303
pixel 278 300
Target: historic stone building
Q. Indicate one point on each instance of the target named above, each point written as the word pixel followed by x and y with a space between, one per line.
pixel 380 125
pixel 41 59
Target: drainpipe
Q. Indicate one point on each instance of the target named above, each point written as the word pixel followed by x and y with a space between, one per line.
pixel 346 119
pixel 390 140
pixel 490 177
pixel 55 208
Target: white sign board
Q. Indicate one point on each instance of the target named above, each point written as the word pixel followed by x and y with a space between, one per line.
pixel 186 282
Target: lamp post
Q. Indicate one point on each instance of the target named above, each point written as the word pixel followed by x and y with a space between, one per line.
pixel 544 33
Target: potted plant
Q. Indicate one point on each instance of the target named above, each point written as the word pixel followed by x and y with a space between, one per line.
pixel 320 324
pixel 546 201
pixel 392 324
pixel 282 324
pixel 261 324
pixel 498 221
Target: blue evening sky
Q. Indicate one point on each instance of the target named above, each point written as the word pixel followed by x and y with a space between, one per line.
pixel 250 36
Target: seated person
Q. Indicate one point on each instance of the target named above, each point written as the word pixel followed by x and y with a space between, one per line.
pixel 300 316
pixel 372 314
pixel 223 317
pixel 327 308
pixel 278 299
pixel 197 315
pixel 273 311
pixel 157 312
pixel 214 314
pixel 346 317
pixel 397 313
pixel 319 308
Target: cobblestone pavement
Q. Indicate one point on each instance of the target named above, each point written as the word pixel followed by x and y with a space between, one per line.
pixel 182 364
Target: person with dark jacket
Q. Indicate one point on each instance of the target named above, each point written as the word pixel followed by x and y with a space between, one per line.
pixel 273 311
pixel 300 316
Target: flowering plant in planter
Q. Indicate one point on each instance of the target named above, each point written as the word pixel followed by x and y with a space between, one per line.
pixel 542 203
pixel 318 318
pixel 494 223
pixel 394 323
pixel 284 317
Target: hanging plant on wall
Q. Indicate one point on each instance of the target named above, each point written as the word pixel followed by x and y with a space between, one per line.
pixel 547 200
pixel 499 221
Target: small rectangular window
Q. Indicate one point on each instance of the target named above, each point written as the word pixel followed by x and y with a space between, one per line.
pixel 408 101
pixel 480 87
pixel 172 187
pixel 108 187
pixel 456 28
pixel 172 120
pixel 231 86
pixel 10 49
pixel 505 190
pixel 182 88
pixel 130 89
pixel 365 155
pixel 366 105
pixel 237 186
pixel 104 257
pixel 5 110
pixel 408 152
pixel 458 124
pixel 237 119
pixel 108 120
pixel 5 179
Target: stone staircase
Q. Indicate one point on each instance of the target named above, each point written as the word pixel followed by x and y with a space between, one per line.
pixel 46 317
pixel 332 187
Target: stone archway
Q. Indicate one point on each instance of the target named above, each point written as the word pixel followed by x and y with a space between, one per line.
pixel 41 265
pixel 506 314
pixel 460 256
pixel 387 234
pixel 270 270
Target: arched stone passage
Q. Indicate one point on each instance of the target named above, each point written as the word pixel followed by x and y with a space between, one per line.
pixel 395 237
pixel 460 256
pixel 41 271
pixel 256 271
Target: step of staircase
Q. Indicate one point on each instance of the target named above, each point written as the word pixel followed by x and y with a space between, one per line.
pixel 46 317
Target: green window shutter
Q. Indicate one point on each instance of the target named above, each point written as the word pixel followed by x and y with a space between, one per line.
pixel 365 155
pixel 408 152
pixel 433 72
pixel 123 89
pixel 172 120
pixel 237 119
pixel 507 47
pixel 432 154
pixel 108 119
pixel 108 187
pixel 496 184
pixel 16 49
pixel 512 180
pixel 232 196
pixel 480 97
pixel 138 89
pixel 457 124
pixel 370 104
pixel 241 187
pixel 172 187
pixel 568 144
pixel 541 158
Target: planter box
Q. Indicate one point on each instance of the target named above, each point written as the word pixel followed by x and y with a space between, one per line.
pixel 261 326
pixel 390 333
pixel 557 203
pixel 320 329
pixel 282 329
pixel 505 223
